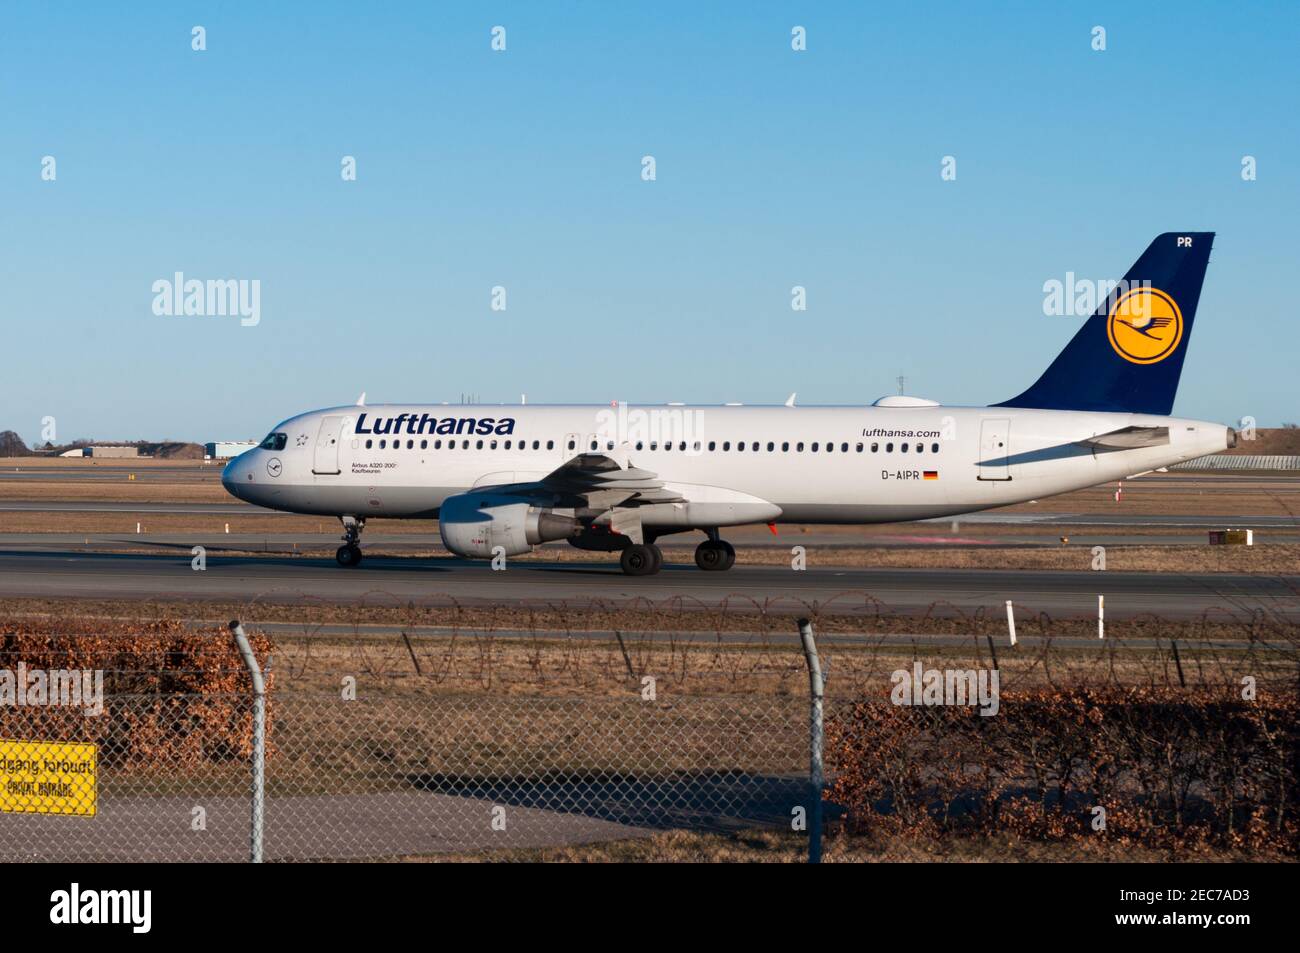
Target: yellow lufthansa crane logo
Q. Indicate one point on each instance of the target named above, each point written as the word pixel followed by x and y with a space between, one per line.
pixel 1145 326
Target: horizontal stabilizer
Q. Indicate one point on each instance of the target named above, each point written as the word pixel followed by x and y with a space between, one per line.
pixel 1129 438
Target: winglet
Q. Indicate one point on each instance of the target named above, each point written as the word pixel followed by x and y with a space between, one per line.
pixel 361 401
pixel 790 401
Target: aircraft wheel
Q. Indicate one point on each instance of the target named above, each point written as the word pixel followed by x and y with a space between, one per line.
pixel 715 557
pixel 639 561
pixel 729 552
pixel 348 555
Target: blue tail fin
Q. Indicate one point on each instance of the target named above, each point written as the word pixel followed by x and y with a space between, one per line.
pixel 1129 355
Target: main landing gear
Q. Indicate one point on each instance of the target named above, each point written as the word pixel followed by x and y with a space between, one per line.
pixel 349 554
pixel 712 555
pixel 715 555
pixel 642 559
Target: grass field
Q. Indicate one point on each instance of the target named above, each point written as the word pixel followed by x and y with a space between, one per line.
pixel 765 846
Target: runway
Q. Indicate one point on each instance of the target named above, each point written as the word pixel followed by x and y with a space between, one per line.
pixel 993 517
pixel 404 543
pixel 381 581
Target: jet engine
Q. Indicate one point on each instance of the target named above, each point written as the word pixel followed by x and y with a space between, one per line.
pixel 474 524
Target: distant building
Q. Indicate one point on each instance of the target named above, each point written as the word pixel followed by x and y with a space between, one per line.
pixel 112 453
pixel 225 449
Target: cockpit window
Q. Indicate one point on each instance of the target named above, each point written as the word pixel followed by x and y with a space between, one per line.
pixel 275 441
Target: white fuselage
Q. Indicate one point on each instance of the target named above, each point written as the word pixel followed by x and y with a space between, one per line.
pixel 798 464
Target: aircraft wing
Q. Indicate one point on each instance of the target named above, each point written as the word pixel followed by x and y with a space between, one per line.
pixel 1128 438
pixel 607 479
pixel 597 481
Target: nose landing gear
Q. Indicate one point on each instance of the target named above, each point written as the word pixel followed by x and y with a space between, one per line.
pixel 349 554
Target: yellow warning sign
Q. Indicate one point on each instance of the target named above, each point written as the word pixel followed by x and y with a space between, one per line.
pixel 47 777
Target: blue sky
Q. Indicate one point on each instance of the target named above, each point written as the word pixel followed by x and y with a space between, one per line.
pixel 522 169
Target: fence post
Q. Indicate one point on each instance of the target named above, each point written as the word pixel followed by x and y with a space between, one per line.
pixel 259 740
pixel 816 688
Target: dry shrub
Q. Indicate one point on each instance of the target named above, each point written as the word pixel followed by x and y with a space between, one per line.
pixel 1171 769
pixel 174 696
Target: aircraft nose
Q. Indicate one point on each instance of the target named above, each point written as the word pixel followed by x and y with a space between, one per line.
pixel 230 477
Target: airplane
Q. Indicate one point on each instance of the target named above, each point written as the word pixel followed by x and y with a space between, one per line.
pixel 502 479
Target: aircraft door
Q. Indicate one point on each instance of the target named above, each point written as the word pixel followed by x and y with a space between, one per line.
pixel 995 444
pixel 328 446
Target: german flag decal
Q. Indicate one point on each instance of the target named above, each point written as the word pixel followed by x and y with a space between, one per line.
pixel 930 474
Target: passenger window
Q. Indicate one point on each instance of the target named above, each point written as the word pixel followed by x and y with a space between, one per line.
pixel 740 446
pixel 726 445
pixel 550 444
pixel 410 445
pixel 889 448
pixel 798 447
pixel 920 447
pixel 902 448
pixel 697 446
pixel 844 448
pixel 859 448
pixel 369 444
pixel 437 445
pixel 785 446
pixel 875 447
pixel 424 445
pixel 383 444
pixel 571 444
pixel 713 445
pixel 493 445
pixel 770 446
pixel 814 447
pixel 508 444
pixel 654 444
pixel 934 448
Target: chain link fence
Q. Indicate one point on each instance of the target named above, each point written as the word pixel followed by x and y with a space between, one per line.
pixel 372 766
pixel 471 744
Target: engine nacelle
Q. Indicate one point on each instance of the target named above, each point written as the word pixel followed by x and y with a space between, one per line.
pixel 474 524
